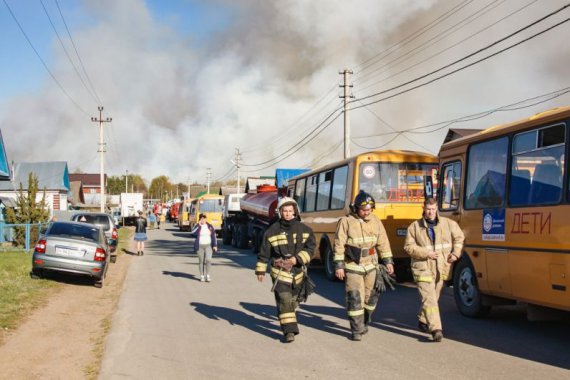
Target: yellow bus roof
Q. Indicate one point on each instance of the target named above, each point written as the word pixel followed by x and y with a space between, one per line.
pixel 502 129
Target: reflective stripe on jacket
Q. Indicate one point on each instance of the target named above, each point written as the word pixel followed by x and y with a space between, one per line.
pixel 361 233
pixel 448 240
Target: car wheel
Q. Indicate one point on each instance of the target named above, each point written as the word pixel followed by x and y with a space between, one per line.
pixel 36 274
pixel 226 235
pixel 98 284
pixel 466 291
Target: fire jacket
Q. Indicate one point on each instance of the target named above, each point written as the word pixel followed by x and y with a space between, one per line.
pixel 369 233
pixel 284 240
pixel 448 241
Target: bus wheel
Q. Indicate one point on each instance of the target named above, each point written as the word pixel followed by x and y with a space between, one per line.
pixel 327 258
pixel 466 291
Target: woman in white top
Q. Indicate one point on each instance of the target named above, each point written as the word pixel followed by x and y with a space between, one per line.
pixel 204 245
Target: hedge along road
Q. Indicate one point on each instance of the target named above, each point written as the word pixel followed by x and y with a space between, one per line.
pixel 170 325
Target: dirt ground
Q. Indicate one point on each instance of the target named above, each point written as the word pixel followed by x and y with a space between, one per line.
pixel 65 338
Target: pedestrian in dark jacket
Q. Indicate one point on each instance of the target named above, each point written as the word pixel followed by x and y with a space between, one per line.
pixel 140 233
pixel 204 245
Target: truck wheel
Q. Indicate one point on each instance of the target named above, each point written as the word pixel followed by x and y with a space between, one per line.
pixel 226 236
pixel 327 259
pixel 466 291
pixel 243 239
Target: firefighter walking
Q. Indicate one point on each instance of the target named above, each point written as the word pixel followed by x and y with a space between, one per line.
pixel 288 245
pixel 360 242
pixel 434 243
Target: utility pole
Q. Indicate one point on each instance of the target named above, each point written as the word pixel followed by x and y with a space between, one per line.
pixel 346 96
pixel 127 182
pixel 208 175
pixel 101 151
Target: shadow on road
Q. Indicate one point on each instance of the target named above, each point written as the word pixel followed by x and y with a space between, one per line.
pixel 181 275
pixel 262 326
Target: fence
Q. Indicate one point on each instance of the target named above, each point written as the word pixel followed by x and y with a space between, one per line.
pixel 20 236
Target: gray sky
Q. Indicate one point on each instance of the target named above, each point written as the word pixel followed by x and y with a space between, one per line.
pixel 187 83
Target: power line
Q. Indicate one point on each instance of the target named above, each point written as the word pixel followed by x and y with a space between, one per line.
pixel 305 115
pixel 424 47
pixel 41 59
pixel 463 67
pixel 393 129
pixel 300 145
pixel 67 53
pixel 479 115
pixel 414 35
pixel 77 53
pixel 302 142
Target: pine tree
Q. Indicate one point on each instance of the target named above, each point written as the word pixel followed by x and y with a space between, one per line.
pixel 28 211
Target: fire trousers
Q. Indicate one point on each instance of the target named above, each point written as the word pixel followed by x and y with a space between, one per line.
pixel 359 304
pixel 286 300
pixel 429 297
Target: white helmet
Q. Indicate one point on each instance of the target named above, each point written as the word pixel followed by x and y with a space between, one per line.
pixel 285 201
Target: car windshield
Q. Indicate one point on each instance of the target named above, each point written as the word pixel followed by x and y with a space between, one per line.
pixel 211 205
pixel 75 231
pixel 99 220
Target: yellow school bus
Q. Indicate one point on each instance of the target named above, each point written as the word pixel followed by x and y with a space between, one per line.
pixel 507 187
pixel 183 214
pixel 210 205
pixel 395 180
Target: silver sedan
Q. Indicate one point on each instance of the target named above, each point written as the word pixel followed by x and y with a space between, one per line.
pixel 69 247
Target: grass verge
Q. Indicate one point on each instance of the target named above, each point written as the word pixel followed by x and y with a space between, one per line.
pixel 19 294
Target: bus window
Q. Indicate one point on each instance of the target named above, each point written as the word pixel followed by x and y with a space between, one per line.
pixel 451 186
pixel 339 188
pixel 394 182
pixel 300 193
pixel 537 170
pixel 486 173
pixel 324 190
pixel 211 205
pixel 311 193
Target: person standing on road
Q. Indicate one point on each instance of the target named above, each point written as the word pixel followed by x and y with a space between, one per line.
pixel 140 233
pixel 360 238
pixel 204 245
pixel 434 243
pixel 289 246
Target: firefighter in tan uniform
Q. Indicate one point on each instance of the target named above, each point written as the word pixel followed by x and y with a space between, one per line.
pixel 360 238
pixel 288 246
pixel 434 243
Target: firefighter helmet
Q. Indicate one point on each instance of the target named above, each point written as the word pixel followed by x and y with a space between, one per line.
pixel 286 201
pixel 362 199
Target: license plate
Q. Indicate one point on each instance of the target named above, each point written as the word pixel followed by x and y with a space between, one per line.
pixel 401 232
pixel 69 252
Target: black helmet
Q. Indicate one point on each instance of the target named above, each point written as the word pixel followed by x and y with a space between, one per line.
pixel 362 199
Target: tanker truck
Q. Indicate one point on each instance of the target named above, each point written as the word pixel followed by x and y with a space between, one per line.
pixel 258 210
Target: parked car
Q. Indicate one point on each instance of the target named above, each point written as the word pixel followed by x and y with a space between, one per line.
pixel 71 247
pixel 106 222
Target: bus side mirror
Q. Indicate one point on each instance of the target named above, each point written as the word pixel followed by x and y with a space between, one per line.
pixel 428 187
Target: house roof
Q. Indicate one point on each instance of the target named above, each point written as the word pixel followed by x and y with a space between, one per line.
pixel 225 190
pixel 88 179
pixel 51 175
pixel 456 133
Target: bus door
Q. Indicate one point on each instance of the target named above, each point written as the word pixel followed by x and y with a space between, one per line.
pixel 450 193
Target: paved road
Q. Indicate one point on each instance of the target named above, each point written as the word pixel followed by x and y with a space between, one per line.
pixel 171 326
